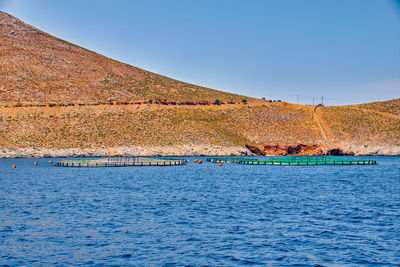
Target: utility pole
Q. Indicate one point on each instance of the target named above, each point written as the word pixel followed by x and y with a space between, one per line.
pixel 313 101
pixel 298 98
pixel 322 100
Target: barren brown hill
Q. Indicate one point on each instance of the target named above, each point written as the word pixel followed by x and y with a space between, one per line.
pixel 36 67
pixel 388 107
pixel 186 130
pixel 367 125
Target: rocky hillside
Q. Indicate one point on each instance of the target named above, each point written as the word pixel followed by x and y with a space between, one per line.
pixel 36 67
pixel 386 107
pixel 374 127
pixel 153 129
pixel 147 125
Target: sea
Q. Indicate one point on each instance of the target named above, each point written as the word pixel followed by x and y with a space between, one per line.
pixel 200 215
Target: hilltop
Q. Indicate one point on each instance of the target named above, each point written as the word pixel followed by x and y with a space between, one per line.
pixel 59 99
pixel 36 67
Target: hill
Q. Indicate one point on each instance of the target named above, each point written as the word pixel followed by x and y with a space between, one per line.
pixel 153 129
pixel 37 69
pixel 372 128
pixel 388 107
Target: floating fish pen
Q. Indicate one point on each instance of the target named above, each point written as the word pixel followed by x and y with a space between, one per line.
pixel 121 162
pixel 295 161
pixel 225 160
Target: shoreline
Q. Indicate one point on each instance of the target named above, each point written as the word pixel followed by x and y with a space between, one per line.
pixel 172 151
pixel 134 151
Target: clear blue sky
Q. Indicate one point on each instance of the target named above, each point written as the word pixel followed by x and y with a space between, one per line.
pixel 345 50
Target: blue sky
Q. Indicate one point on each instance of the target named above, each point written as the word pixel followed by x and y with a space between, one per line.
pixel 345 50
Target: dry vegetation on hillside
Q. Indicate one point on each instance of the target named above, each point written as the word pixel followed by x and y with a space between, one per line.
pixel 36 67
pixel 154 125
pixel 391 106
pixel 124 126
pixel 362 126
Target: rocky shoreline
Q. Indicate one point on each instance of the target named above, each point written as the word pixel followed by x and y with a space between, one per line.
pixel 304 149
pixel 134 151
pixel 372 150
pixel 184 150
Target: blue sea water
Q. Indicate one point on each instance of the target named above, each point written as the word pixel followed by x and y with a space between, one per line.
pixel 200 215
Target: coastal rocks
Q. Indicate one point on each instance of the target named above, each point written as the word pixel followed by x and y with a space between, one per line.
pixel 134 151
pixel 205 150
pixel 337 152
pixel 344 149
pixel 372 150
pixel 297 150
pixel 255 150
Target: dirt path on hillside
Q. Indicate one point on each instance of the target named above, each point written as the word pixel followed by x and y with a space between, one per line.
pixel 326 132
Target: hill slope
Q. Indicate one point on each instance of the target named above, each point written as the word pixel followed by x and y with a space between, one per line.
pixel 179 130
pixel 367 127
pixel 386 107
pixel 36 67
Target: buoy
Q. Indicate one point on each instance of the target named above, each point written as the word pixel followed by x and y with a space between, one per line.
pixel 200 161
pixel 196 160
pixel 50 162
pixel 220 164
pixel 13 166
pixel 35 163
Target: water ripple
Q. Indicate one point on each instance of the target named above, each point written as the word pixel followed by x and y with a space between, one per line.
pixel 200 215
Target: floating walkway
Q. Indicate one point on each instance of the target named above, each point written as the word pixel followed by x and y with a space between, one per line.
pixel 294 161
pixel 225 160
pixel 120 162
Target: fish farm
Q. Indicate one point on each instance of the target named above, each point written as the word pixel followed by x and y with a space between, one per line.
pixel 143 161
pixel 121 162
pixel 293 161
pixel 225 160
